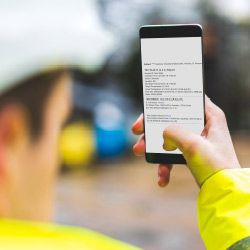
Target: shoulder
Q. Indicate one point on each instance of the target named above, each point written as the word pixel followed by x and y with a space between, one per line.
pixel 32 235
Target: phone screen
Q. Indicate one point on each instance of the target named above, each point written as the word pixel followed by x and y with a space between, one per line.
pixel 172 87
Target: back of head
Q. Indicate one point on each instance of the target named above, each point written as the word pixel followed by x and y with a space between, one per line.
pixel 31 116
pixel 31 95
pixel 39 39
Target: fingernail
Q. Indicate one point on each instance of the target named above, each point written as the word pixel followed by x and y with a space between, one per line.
pixel 161 184
pixel 163 134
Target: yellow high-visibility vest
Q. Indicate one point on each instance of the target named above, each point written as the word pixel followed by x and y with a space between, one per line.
pixel 223 214
pixel 23 235
pixel 224 209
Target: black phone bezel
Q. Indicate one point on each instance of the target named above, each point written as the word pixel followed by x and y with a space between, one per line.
pixel 165 31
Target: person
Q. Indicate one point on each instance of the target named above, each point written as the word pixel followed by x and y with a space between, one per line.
pixel 32 113
pixel 39 42
pixel 224 198
pixel 35 101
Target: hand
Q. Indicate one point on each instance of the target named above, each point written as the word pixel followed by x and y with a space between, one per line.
pixel 205 154
pixel 139 150
pixel 208 153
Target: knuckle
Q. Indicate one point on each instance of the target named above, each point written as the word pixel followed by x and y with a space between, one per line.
pixel 165 134
pixel 134 149
pixel 221 114
pixel 193 148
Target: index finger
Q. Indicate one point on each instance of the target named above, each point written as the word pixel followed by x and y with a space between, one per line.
pixel 138 126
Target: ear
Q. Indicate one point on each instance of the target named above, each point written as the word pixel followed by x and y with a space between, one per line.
pixel 13 132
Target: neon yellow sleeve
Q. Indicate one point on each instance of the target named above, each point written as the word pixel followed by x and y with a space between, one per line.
pixel 224 208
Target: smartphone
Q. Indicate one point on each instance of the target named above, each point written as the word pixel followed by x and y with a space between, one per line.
pixel 173 88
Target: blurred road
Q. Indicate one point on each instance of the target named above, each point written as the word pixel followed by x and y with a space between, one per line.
pixel 123 200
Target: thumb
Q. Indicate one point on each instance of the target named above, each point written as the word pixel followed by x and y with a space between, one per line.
pixel 176 137
pixel 195 150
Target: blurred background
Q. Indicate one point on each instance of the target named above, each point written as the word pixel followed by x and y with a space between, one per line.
pixel 102 186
